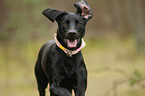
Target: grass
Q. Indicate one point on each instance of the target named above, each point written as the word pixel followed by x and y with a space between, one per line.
pixel 17 63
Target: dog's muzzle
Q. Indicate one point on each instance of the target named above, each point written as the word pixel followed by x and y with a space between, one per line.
pixel 72 38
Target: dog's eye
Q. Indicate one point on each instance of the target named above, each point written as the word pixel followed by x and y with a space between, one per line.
pixel 79 24
pixel 64 24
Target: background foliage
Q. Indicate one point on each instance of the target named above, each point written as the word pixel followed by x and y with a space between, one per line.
pixel 114 54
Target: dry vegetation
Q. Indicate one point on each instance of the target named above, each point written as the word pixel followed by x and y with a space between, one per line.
pixel 114 54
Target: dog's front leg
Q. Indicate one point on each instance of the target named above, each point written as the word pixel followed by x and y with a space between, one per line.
pixel 81 82
pixel 81 88
pixel 56 90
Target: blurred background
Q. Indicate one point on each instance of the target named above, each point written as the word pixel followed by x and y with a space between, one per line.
pixel 114 55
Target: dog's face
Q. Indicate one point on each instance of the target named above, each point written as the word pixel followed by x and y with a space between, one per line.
pixel 71 29
pixel 71 26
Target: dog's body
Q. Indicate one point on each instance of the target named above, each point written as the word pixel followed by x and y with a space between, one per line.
pixel 64 71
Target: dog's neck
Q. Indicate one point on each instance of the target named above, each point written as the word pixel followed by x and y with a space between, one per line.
pixel 65 49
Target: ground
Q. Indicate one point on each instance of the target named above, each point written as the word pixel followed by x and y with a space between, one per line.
pixel 102 58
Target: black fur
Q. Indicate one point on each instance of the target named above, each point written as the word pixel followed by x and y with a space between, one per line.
pixel 53 66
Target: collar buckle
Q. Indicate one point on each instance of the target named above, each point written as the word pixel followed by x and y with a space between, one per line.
pixel 69 53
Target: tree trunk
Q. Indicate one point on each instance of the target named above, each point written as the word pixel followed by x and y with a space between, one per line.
pixel 139 26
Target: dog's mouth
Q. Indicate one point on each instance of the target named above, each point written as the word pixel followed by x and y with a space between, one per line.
pixel 72 43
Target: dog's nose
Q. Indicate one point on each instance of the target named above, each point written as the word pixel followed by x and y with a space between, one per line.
pixel 72 33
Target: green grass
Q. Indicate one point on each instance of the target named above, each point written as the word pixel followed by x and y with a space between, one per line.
pixel 17 67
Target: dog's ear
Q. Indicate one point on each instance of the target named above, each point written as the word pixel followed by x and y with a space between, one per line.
pixel 83 9
pixel 52 14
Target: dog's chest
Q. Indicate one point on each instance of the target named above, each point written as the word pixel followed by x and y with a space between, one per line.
pixel 70 66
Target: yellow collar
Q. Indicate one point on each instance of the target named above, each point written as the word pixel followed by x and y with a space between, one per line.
pixel 67 51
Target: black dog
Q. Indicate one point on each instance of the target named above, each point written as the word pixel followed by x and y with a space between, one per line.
pixel 60 61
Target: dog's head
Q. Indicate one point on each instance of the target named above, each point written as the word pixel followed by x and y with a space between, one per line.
pixel 71 26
